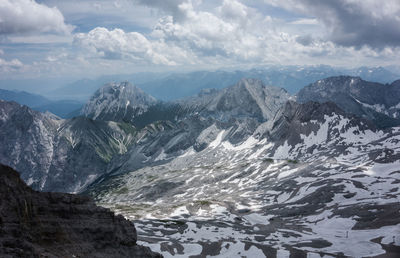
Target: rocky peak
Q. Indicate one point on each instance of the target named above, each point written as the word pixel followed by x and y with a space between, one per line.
pixel 24 115
pixel 247 98
pixel 118 102
pixel 367 92
pixel 374 101
pixel 251 97
pixel 37 224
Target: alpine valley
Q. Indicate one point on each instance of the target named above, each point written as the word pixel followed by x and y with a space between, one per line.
pixel 248 170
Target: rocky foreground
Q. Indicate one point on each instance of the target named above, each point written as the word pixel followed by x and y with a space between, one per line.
pixel 38 224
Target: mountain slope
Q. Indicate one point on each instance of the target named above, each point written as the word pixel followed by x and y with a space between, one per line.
pixel 374 101
pixel 50 152
pixel 117 102
pixel 240 171
pixel 307 182
pixel 193 122
pixel 35 224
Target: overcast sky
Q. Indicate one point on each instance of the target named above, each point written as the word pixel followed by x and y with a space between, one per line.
pixel 86 38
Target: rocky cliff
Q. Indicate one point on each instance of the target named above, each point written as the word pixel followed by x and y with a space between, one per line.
pixel 38 224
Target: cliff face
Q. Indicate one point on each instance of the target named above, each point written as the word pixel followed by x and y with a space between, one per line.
pixel 38 224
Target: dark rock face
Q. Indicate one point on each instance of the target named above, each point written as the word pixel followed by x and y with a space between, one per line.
pixel 286 124
pixel 34 224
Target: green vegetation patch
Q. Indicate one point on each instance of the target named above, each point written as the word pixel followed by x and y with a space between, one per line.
pixel 127 128
pixel 103 155
pixel 170 223
pixel 203 202
pixel 122 190
pixel 151 178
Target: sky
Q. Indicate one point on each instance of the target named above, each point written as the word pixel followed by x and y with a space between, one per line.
pixel 89 38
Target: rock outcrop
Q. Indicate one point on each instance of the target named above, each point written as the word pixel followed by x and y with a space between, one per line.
pixel 39 224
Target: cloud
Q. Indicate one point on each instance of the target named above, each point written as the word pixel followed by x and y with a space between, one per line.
pixel 14 63
pixel 10 66
pixel 305 21
pixel 230 34
pixel 118 44
pixel 305 40
pixel 171 7
pixel 195 34
pixel 28 17
pixel 357 23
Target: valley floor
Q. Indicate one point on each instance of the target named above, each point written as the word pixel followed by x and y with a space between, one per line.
pixel 232 202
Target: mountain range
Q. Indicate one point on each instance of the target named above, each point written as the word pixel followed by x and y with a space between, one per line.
pixel 61 108
pixel 244 170
pixel 173 86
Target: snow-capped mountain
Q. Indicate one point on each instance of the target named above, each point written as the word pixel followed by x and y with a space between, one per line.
pixel 242 171
pixel 50 151
pixel 374 101
pixel 305 183
pixel 117 102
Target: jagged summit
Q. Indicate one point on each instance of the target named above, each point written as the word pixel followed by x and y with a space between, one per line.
pixel 117 102
pixel 247 98
pixel 364 91
pixel 375 101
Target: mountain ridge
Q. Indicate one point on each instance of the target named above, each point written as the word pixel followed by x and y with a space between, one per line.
pixel 374 101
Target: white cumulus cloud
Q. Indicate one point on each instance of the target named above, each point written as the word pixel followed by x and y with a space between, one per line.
pixel 28 17
pixel 231 33
pixel 118 44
